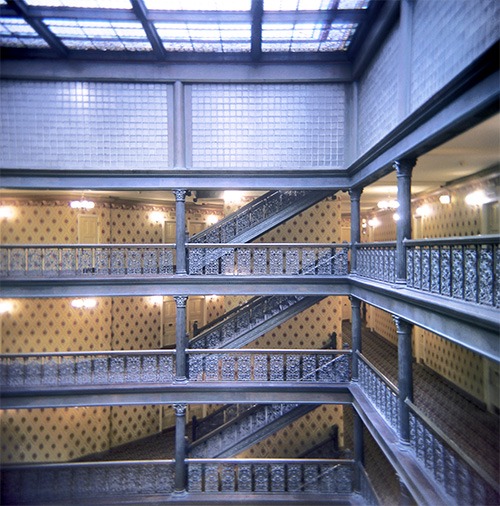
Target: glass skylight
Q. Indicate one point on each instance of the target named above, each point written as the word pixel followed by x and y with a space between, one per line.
pixel 205 37
pixel 199 5
pixel 96 4
pixel 15 32
pixel 306 37
pixel 103 35
pixel 296 5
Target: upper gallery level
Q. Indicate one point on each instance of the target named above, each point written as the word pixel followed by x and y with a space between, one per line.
pixel 202 118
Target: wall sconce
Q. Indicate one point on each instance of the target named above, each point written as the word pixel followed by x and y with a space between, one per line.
pixel 423 211
pixel 156 300
pixel 82 204
pixel 157 217
pixel 212 219
pixel 232 197
pixel 6 212
pixel 373 222
pixel 478 198
pixel 5 306
pixel 445 198
pixel 396 216
pixel 84 303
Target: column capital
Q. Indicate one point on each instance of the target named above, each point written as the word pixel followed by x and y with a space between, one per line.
pixel 180 195
pixel 180 300
pixel 402 326
pixel 355 192
pixel 180 409
pixel 404 166
pixel 355 302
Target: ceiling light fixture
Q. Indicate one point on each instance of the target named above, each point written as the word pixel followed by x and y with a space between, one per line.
pixel 373 222
pixel 84 303
pixel 423 211
pixel 388 204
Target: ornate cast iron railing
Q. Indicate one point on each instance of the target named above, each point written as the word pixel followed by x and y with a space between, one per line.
pixel 319 366
pixel 241 320
pixel 365 487
pixel 462 479
pixel 466 268
pixel 294 476
pixel 85 368
pixel 54 260
pixel 383 394
pixel 269 259
pixel 377 260
pixel 68 482
pixel 248 216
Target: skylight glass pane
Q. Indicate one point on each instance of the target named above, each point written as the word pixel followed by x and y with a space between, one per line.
pixel 297 5
pixel 15 32
pixel 339 37
pixel 198 5
pixel 100 35
pixel 353 4
pixel 96 4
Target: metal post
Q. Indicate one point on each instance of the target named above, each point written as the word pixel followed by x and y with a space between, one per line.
pixel 359 451
pixel 356 335
pixel 403 169
pixel 180 449
pixel 180 231
pixel 405 376
pixel 180 346
pixel 355 194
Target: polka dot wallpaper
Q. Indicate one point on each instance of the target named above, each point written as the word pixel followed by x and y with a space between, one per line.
pixel 299 436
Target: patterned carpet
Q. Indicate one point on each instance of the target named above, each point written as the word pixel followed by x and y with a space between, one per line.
pixel 474 429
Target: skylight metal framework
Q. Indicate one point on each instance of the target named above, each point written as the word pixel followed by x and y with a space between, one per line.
pixel 220 30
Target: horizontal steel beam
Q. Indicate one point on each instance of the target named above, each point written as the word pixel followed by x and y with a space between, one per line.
pixel 190 393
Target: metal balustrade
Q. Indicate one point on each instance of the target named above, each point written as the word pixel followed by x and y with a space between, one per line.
pixel 72 481
pixel 383 394
pixel 269 259
pixel 294 476
pixel 461 478
pixel 366 490
pixel 86 260
pixel 377 261
pixel 249 216
pixel 465 268
pixel 318 366
pixel 86 368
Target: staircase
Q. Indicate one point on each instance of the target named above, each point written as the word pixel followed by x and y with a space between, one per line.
pixel 253 319
pixel 259 216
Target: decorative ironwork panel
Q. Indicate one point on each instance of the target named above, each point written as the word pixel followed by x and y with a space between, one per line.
pixel 102 258
pixel 67 371
pixel 276 367
pixel 291 261
pixel 446 270
pixel 214 339
pixel 196 260
pixel 426 269
pixel 35 262
pixel 464 483
pixel 195 367
pixel 457 272
pixel 228 265
pixel 326 372
pixel 292 367
pixel 277 477
pixel 148 479
pixel 117 262
pixel 294 477
pixel 344 480
pixel 228 367
pixel 308 368
pixel 243 259
pixel 244 478
pixel 450 472
pixel 133 257
pixel 261 477
pixel 228 479
pixel 165 261
pixel 83 372
pixel 486 286
pixel 33 373
pixel 392 265
pixel 429 449
pixel 149 368
pixel 435 270
pixel 133 369
pixel 100 370
pixel 258 214
pixel 470 274
pixel 212 261
pixel 211 477
pixel 117 369
pixel 4 262
pixel 311 478
pixel 417 272
pixel 276 261
pixel 211 367
pixel 194 477
pixel 385 265
pixel 496 257
pixel 227 231
pixel 260 367
pixel 260 261
pixel 17 262
pixel 131 479
pixel 325 261
pixel 115 480
pixel 149 261
pixel 308 261
pixel 50 375
pixel 51 262
pixel 244 368
pixel 438 461
pixel 327 481
pixel 242 221
pixel 68 262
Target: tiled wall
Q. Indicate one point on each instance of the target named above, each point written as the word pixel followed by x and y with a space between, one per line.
pixel 84 125
pixel 267 125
